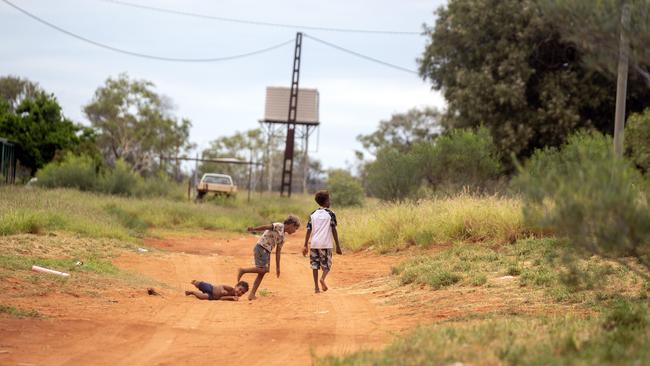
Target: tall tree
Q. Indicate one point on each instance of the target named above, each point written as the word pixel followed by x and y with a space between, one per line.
pixel 252 145
pixel 41 130
pixel 245 146
pixel 14 90
pixel 403 130
pixel 504 65
pixel 595 27
pixel 614 35
pixel 136 124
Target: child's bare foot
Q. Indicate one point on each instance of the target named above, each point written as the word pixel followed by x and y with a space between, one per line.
pixel 252 297
pixel 194 282
pixel 240 273
pixel 317 290
pixel 188 293
pixel 323 285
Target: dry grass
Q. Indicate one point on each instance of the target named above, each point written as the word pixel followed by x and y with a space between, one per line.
pixel 463 218
pixel 38 211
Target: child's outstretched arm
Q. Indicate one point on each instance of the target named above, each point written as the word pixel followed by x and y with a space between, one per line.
pixel 261 228
pixel 229 298
pixel 307 236
pixel 335 234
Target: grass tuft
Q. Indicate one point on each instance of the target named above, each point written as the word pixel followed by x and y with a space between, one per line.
pixel 17 312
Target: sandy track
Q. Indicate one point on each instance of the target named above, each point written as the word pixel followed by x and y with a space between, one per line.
pixel 124 326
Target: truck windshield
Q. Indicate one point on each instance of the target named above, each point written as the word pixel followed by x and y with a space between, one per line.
pixel 216 180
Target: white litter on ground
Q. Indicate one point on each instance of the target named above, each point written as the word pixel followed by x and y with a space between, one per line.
pixel 50 271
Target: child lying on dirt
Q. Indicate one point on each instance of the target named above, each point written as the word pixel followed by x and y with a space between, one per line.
pixel 219 292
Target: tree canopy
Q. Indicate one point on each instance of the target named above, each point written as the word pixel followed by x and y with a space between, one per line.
pixel 595 27
pixel 14 90
pixel 504 65
pixel 403 130
pixel 136 124
pixel 34 119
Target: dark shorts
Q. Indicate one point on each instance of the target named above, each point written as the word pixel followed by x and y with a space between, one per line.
pixel 262 257
pixel 206 288
pixel 320 259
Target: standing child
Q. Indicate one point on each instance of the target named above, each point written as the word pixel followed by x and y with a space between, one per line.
pixel 322 230
pixel 273 237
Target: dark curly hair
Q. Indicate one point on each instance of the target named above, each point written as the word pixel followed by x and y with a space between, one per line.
pixel 243 284
pixel 322 197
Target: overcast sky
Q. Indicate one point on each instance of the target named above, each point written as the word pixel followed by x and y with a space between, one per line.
pixel 223 97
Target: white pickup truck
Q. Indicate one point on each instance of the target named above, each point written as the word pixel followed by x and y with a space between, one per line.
pixel 219 184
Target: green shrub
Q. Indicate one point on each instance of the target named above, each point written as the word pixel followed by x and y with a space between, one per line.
pixel 120 180
pixel 78 172
pixel 582 192
pixel 392 176
pixel 161 186
pixel 344 188
pixel 81 172
pixel 637 139
pixel 462 158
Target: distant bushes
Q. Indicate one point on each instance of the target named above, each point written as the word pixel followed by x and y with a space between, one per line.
pixel 82 172
pixel 78 172
pixel 120 181
pixel 392 176
pixel 346 190
pixel 461 159
pixel 583 192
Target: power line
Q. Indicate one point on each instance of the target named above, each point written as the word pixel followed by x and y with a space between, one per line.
pixel 212 59
pixel 365 57
pixel 143 55
pixel 261 23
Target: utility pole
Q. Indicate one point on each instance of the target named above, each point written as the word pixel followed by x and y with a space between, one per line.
pixel 305 161
pixel 621 85
pixel 287 163
pixel 250 176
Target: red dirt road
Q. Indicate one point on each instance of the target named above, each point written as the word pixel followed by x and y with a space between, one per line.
pixel 288 324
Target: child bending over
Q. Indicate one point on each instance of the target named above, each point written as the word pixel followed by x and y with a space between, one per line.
pixel 273 237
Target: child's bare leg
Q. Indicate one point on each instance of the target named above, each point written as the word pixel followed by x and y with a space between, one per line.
pixel 256 284
pixel 199 295
pixel 315 273
pixel 243 271
pixel 322 280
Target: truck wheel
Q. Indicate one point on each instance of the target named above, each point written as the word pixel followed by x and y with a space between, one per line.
pixel 199 196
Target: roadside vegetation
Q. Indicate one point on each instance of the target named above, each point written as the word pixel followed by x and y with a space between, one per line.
pixel 437 221
pixel 38 211
pixel 619 335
